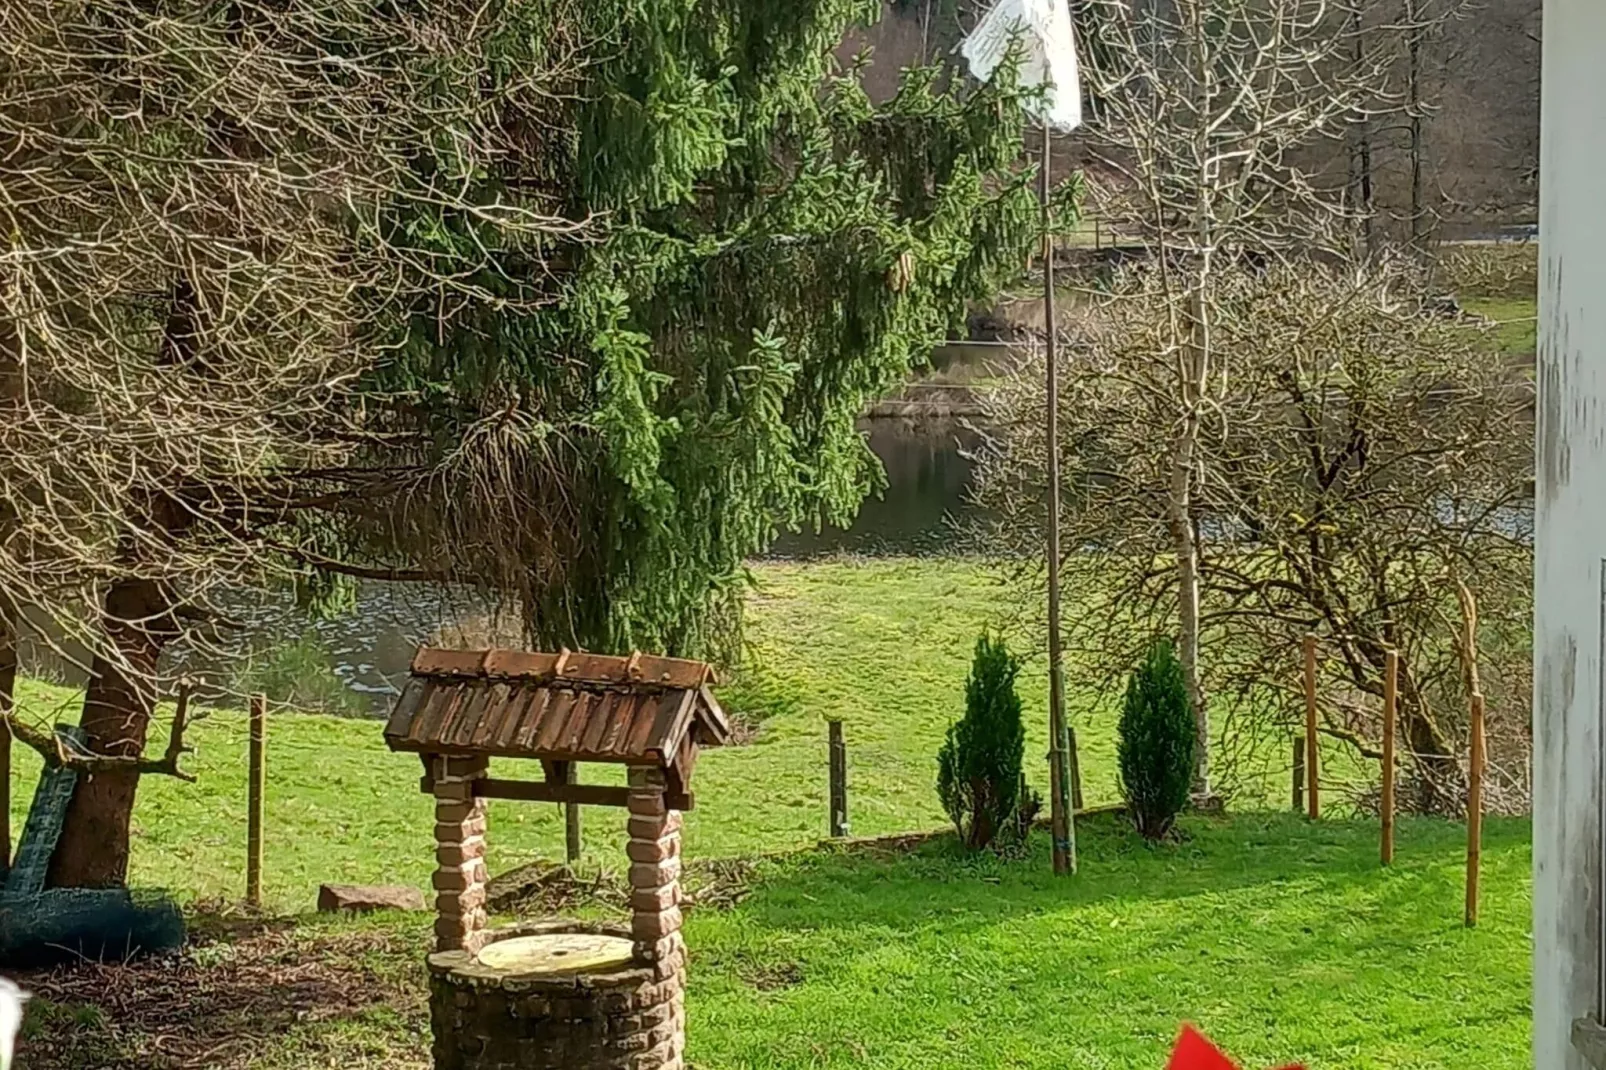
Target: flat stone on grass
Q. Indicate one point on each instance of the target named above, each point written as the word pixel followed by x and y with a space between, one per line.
pixel 361 898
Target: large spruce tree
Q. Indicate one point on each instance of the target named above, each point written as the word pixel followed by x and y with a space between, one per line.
pixel 576 300
pixel 768 249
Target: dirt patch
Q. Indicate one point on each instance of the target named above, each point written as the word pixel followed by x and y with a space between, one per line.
pixel 717 883
pixel 295 993
pixel 773 976
pixel 246 994
pixel 544 888
pixel 744 729
pixel 901 843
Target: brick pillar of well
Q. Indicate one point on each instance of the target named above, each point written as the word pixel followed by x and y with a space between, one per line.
pixel 654 852
pixel 460 875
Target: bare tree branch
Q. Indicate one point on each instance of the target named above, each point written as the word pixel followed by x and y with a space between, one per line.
pixel 56 750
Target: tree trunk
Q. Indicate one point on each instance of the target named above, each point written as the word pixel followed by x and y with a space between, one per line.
pixel 1362 193
pixel 137 622
pixel 1184 459
pixel 1414 112
pixel 1439 788
pixel 8 684
pixel 1361 150
pixel 1368 201
pixel 93 850
pixel 11 393
pixel 981 821
pixel 1187 551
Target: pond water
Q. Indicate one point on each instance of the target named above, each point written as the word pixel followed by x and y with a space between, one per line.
pixel 356 662
pixel 350 663
pixel 928 476
pixel 282 649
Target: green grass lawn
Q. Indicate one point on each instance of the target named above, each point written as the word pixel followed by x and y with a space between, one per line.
pixel 1283 939
pixel 884 645
pixel 1516 322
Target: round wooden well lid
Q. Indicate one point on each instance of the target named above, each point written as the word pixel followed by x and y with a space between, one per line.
pixel 557 953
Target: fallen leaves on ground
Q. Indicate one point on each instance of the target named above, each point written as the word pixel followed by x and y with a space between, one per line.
pixel 238 995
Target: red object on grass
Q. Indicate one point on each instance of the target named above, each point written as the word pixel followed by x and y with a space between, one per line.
pixel 1194 1052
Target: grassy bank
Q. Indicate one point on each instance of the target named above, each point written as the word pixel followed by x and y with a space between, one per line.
pixel 883 645
pixel 1515 319
pixel 1284 939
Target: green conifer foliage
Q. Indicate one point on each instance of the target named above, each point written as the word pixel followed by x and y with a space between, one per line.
pixel 979 778
pixel 766 251
pixel 1155 749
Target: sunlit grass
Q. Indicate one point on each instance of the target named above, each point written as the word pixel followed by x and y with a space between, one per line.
pixel 1516 322
pixel 1284 939
pixel 883 645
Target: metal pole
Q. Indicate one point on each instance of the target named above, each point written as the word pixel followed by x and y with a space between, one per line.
pixel 1313 789
pixel 1062 821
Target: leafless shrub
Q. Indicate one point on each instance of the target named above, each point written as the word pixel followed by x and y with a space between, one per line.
pixel 1509 269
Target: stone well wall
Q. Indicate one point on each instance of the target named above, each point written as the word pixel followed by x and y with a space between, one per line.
pixel 630 1017
pixel 460 876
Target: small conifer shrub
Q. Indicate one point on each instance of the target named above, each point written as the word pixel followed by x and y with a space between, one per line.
pixel 1156 743
pixel 979 766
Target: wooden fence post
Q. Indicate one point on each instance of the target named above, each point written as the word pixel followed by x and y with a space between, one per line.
pixel 572 841
pixel 839 781
pixel 1313 800
pixel 1076 771
pixel 1299 774
pixel 1391 684
pixel 1475 810
pixel 256 786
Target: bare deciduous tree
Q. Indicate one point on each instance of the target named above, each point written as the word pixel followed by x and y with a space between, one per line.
pixel 1202 113
pixel 201 257
pixel 1366 456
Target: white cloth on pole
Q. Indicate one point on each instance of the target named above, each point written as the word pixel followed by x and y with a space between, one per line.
pixel 1047 51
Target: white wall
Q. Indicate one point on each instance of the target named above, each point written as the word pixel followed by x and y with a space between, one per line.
pixel 1571 538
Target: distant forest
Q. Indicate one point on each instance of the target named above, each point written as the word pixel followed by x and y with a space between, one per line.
pixel 1478 130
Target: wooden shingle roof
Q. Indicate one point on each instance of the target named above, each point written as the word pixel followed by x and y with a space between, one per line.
pixel 634 710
